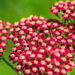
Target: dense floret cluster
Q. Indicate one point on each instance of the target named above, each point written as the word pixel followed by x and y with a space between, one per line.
pixel 65 8
pixel 5 30
pixel 42 47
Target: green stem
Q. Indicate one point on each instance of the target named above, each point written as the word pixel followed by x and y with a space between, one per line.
pixel 0 57
pixel 11 66
pixel 19 73
pixel 7 63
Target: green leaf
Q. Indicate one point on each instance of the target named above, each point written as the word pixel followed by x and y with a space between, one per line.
pixel 50 35
pixel 50 28
pixel 46 35
pixel 59 15
pixel 37 74
pixel 63 35
pixel 47 55
pixel 63 55
pixel 38 31
pixel 8 33
pixel 73 54
pixel 0 40
pixel 25 34
pixel 58 44
pixel 73 45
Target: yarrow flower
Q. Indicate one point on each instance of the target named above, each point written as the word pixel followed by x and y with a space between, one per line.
pixel 42 47
pixel 64 8
pixel 4 35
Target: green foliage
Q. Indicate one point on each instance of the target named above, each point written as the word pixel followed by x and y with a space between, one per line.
pixel 58 44
pixel 63 35
pixel 50 35
pixel 47 55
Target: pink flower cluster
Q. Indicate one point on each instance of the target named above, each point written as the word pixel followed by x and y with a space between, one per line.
pixel 42 47
pixel 65 8
pixel 5 30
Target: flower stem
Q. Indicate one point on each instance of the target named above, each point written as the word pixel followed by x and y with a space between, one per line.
pixel 19 73
pixel 0 57
pixel 7 63
pixel 11 66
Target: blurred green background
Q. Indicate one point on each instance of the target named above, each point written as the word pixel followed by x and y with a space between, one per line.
pixel 14 10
